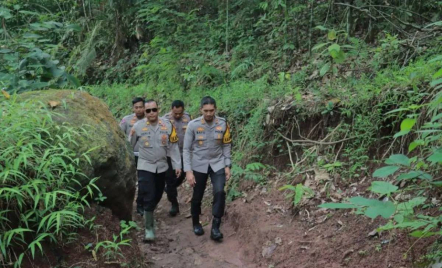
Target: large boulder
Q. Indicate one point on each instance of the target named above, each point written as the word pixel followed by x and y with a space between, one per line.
pixel 112 160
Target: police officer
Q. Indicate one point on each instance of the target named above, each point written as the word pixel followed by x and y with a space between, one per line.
pixel 206 152
pixel 129 121
pixel 156 138
pixel 179 119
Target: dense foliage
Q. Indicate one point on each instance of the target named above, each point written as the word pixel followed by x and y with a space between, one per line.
pixel 371 65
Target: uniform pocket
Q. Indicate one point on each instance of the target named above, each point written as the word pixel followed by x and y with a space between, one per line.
pixel 145 142
pixel 218 137
pixel 201 141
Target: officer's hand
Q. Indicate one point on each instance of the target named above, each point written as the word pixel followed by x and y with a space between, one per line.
pixel 178 173
pixel 190 178
pixel 227 171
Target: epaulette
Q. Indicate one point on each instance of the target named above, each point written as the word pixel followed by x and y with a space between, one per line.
pixel 196 119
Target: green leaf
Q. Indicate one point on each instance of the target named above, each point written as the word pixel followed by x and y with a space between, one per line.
pixel 287 187
pixel 318 46
pixel 383 209
pixel 401 133
pixel 383 187
pixel 325 69
pixel 436 82
pixel 407 124
pixel 437 74
pixel 385 171
pixel 415 144
pixel 299 192
pixel 362 201
pixel 334 47
pixel 414 174
pixel 422 234
pixel 73 80
pixel 436 117
pixel 74 27
pixel 397 110
pixel 320 27
pixel 436 157
pixel 400 159
pixel 331 35
pixel 337 205
pixel 5 13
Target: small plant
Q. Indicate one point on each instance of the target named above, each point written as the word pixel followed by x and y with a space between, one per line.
pixel 297 192
pixel 334 53
pixel 111 249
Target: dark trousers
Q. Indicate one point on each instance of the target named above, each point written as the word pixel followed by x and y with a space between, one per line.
pixel 172 182
pixel 219 196
pixel 150 189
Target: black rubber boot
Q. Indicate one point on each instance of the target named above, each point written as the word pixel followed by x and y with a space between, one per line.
pixel 140 210
pixel 215 233
pixel 197 227
pixel 174 209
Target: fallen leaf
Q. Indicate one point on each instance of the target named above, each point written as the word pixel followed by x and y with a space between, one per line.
pixel 373 233
pixel 278 241
pixel 54 104
pixel 94 254
pixel 268 251
pixel 6 94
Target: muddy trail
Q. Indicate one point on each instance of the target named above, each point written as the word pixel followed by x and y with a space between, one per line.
pixel 177 246
pixel 262 229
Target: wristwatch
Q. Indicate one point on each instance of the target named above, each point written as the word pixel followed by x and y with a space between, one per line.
pixel 229 166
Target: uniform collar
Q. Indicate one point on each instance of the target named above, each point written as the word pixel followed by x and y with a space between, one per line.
pixel 215 121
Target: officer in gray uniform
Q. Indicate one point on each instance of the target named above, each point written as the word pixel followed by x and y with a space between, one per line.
pixel 156 138
pixel 179 119
pixel 129 121
pixel 206 152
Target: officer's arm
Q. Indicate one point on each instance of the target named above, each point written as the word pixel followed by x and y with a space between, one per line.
pixel 174 149
pixel 227 146
pixel 123 125
pixel 187 147
pixel 133 137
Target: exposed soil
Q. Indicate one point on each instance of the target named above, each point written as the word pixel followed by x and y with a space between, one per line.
pixel 262 230
pixel 79 255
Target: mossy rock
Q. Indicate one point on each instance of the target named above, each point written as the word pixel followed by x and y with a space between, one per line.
pixel 112 160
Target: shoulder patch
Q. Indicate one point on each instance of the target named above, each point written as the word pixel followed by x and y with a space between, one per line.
pixel 173 138
pixel 227 136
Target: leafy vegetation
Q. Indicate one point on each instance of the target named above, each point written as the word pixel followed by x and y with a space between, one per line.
pixel 325 85
pixel 41 199
pixel 420 172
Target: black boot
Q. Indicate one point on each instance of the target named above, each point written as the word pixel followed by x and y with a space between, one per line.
pixel 174 209
pixel 197 227
pixel 140 210
pixel 216 234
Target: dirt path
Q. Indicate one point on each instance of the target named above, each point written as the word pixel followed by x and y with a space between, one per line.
pixel 178 247
pixel 261 230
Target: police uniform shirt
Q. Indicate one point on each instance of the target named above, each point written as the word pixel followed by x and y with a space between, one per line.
pixel 207 145
pixel 155 141
pixel 180 126
pixel 126 125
